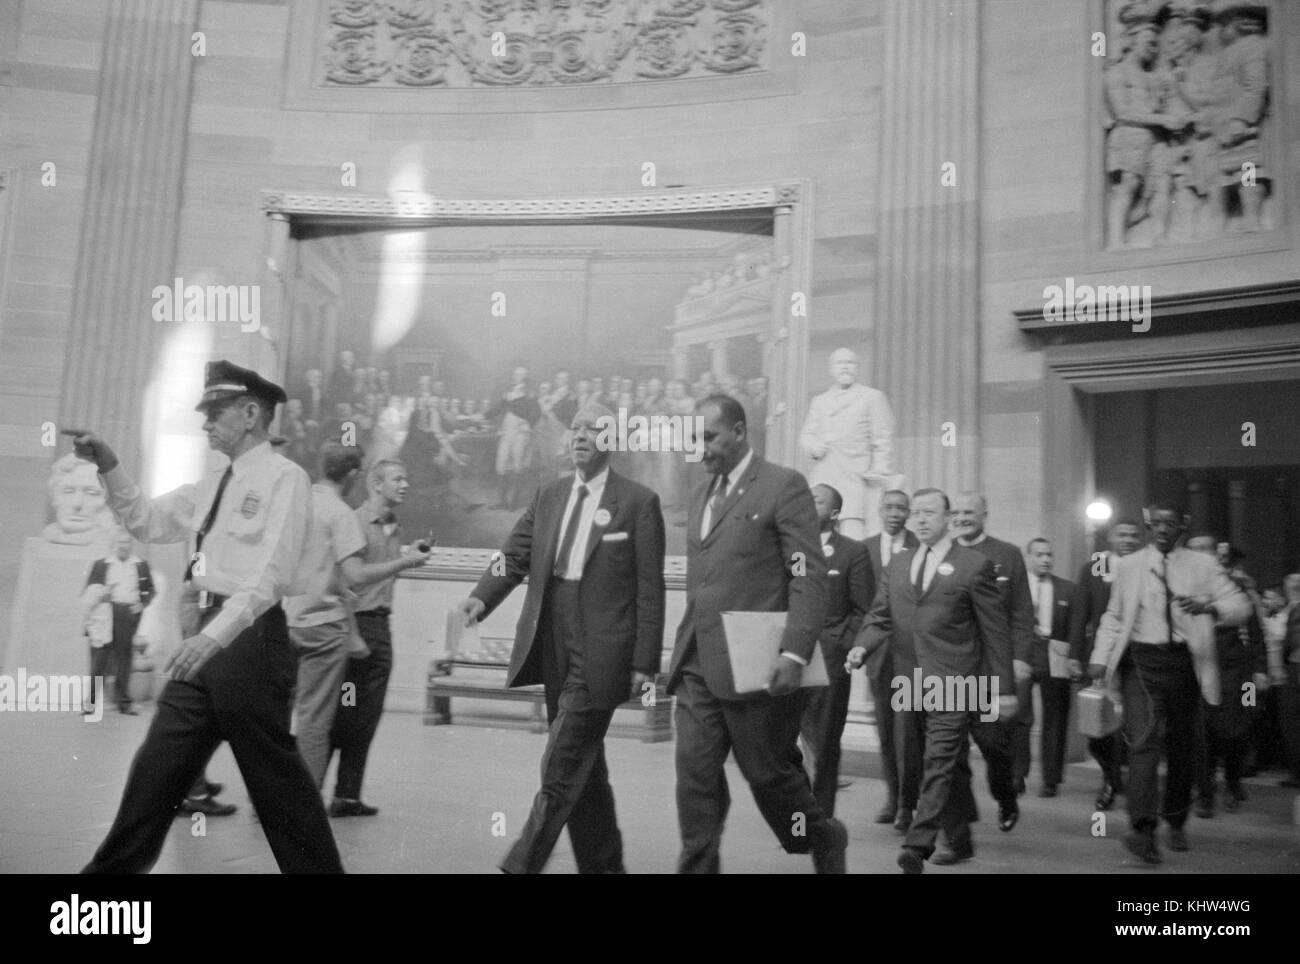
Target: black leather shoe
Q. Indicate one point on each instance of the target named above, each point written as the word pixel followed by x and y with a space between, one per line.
pixel 1178 839
pixel 1008 816
pixel 910 859
pixel 127 709
pixel 947 856
pixel 1105 796
pixel 207 805
pixel 903 822
pixel 1048 790
pixel 828 853
pixel 1143 846
pixel 351 808
pixel 886 814
pixel 213 788
pixel 1205 808
pixel 1290 782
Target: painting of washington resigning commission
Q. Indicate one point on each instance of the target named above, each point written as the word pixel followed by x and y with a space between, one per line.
pixel 465 350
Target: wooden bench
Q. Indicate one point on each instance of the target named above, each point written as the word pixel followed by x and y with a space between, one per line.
pixel 492 658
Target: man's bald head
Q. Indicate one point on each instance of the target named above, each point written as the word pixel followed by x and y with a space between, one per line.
pixel 595 436
pixel 969 510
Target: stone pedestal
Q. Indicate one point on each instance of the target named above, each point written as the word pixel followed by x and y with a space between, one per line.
pixel 45 627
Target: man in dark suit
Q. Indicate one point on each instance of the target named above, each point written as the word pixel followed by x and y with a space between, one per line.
pixel 752 546
pixel 1005 744
pixel 1053 599
pixel 945 598
pixel 1284 671
pixel 125 583
pixel 900 749
pixel 850 587
pixel 591 631
pixel 1095 580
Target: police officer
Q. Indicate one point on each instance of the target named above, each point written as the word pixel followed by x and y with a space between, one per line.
pixel 234 679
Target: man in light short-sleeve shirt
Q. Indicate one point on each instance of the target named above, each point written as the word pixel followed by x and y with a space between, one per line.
pixel 320 620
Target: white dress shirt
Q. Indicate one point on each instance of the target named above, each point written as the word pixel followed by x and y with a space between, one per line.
pixel 890 545
pixel 253 551
pixel 1043 592
pixel 933 558
pixel 737 473
pixel 578 552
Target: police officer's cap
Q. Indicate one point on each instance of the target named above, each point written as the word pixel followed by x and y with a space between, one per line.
pixel 224 381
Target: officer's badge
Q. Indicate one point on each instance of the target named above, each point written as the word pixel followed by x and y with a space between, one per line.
pixel 945 569
pixel 602 517
pixel 829 550
pixel 250 506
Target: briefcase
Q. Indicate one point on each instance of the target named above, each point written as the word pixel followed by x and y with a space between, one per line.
pixel 1099 715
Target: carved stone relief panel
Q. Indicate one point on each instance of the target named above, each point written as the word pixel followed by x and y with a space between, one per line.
pixel 1188 121
pixel 455 44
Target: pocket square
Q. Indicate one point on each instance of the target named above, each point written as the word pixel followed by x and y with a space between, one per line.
pixel 614 537
pixel 832 572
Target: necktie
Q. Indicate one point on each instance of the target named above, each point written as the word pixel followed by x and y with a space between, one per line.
pixel 715 503
pixel 1169 598
pixel 919 582
pixel 210 518
pixel 570 533
pixel 1044 613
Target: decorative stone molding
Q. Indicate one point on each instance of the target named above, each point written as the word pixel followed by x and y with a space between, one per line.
pixel 457 44
pixel 424 207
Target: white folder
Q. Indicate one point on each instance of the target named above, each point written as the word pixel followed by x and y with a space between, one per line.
pixel 753 642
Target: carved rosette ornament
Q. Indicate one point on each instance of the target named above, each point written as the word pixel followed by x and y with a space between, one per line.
pixel 736 44
pixel 353 59
pixel 532 43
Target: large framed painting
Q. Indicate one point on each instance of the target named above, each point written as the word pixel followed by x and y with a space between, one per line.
pixel 459 337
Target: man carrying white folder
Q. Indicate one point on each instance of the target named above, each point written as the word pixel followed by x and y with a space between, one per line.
pixel 752 546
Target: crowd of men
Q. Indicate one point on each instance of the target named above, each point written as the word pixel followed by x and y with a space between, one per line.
pixel 293 592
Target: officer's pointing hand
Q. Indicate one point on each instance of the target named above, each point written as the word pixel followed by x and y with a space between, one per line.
pixel 89 446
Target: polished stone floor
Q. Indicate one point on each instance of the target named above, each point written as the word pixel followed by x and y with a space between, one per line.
pixel 443 791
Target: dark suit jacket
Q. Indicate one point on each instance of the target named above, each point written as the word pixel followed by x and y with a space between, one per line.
pixel 850 588
pixel 1013 585
pixel 958 627
pixel 99 573
pixel 910 541
pixel 621 592
pixel 879 664
pixel 1063 604
pixel 762 554
pixel 1092 596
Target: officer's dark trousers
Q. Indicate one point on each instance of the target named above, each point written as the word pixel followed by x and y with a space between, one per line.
pixel 243 695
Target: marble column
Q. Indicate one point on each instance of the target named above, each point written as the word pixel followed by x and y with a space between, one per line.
pixel 131 221
pixel 927 351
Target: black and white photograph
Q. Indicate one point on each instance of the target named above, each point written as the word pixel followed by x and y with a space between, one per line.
pixel 656 437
